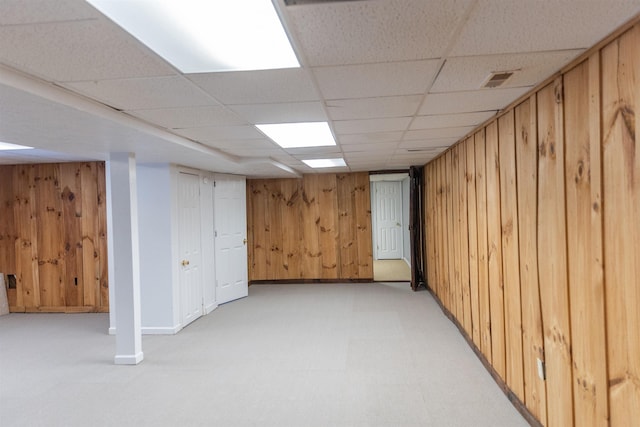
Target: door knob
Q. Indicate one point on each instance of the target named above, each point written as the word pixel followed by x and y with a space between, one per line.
pixel 244 241
pixel 185 262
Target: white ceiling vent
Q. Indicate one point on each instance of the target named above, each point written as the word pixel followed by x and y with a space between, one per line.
pixel 497 79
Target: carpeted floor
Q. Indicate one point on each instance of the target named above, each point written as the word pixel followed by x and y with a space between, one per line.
pixel 391 270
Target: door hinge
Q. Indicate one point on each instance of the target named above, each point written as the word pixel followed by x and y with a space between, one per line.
pixel 215 233
pixel 214 183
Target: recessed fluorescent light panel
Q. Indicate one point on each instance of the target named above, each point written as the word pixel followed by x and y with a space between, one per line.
pixel 6 146
pixel 297 135
pixel 324 163
pixel 201 36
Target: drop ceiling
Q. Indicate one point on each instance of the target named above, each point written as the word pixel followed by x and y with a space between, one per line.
pixel 398 81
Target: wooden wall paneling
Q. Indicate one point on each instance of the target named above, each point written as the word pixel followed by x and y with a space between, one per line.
pixel 451 257
pixel 439 227
pixel 71 186
pixel 7 224
pixel 484 302
pixel 621 190
pixel 276 232
pixel 362 200
pixel 552 260
pixel 312 264
pixel 50 243
pixel 103 263
pixel 435 230
pixel 532 330
pixel 90 241
pixel 584 242
pixel 328 199
pixel 27 291
pixel 444 223
pixel 494 248
pixel 428 223
pixel 347 226
pixel 257 214
pixel 455 239
pixel 510 254
pixel 472 226
pixel 292 243
pixel 464 238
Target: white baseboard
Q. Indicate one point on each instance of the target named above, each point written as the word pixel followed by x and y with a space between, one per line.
pixel 128 359
pixel 209 308
pixel 152 330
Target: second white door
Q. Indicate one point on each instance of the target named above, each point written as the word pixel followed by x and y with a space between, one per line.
pixel 388 219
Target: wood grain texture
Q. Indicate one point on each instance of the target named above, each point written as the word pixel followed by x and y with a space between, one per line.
pixel 56 214
pixel 451 276
pixel 510 254
pixel 472 226
pixel 484 301
pixel 532 331
pixel 494 250
pixel 463 236
pixel 584 239
pixel 552 260
pixel 317 227
pixel 621 189
pixel 456 295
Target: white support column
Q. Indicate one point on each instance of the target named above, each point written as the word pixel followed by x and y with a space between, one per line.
pixel 122 208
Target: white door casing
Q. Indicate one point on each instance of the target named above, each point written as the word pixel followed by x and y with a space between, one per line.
pixel 388 219
pixel 189 242
pixel 230 218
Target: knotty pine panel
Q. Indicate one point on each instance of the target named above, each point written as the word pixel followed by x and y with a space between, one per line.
pixel 317 227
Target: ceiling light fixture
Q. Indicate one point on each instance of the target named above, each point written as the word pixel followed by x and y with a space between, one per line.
pixel 325 163
pixel 297 135
pixel 5 146
pixel 199 36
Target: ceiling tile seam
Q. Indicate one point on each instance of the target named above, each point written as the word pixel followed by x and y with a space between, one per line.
pixel 481 89
pixel 368 98
pixel 521 53
pixel 455 35
pixel 361 64
pixel 62 21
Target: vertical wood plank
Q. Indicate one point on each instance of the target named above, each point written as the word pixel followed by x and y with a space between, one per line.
pixel 8 234
pixel 290 209
pixel 103 256
pixel 312 266
pixel 362 200
pixel 532 332
pixel 276 233
pixel 346 225
pixel 25 217
pixel 484 302
pixel 71 187
pixel 494 248
pixel 552 262
pixel 90 258
pixel 464 237
pixel 451 259
pixel 328 197
pixel 472 225
pixel 621 190
pixel 584 242
pixel 50 236
pixel 510 254
pixel 257 213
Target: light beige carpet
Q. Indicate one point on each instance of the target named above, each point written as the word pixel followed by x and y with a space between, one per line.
pixel 391 270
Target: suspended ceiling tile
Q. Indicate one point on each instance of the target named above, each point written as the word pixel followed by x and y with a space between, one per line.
pixel 366 138
pixel 288 112
pixel 361 155
pixel 369 108
pixel 471 101
pixel 145 93
pixel 372 80
pixel 428 143
pixel 362 32
pixel 450 120
pixel 438 133
pixel 470 73
pixel 187 117
pixel 368 147
pixel 258 87
pixel 371 125
pixel 78 50
pixel 19 12
pixel 498 26
pixel 220 133
pixel 252 152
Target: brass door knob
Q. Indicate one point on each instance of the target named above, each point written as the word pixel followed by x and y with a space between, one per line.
pixel 185 262
pixel 244 241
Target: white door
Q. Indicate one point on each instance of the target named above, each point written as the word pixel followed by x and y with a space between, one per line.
pixel 388 200
pixel 230 218
pixel 190 275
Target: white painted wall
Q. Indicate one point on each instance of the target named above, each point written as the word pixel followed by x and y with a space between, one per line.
pixel 406 252
pixel 156 272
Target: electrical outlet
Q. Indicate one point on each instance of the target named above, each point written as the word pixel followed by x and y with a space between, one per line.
pixel 541 370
